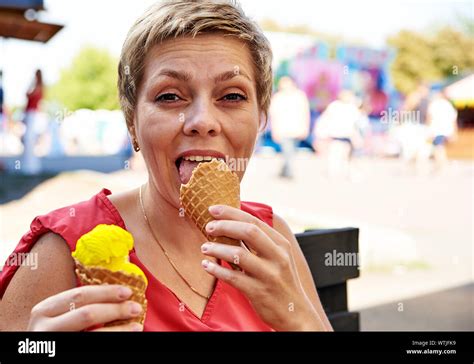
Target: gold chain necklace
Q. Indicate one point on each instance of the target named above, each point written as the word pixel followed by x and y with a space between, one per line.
pixel 165 252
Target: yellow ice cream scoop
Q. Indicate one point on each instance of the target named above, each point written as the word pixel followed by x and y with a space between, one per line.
pixel 107 246
pixel 102 257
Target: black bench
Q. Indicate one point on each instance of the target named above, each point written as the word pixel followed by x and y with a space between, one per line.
pixel 320 247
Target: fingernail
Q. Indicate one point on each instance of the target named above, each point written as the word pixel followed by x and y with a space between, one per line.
pixel 205 263
pixel 211 226
pixel 137 327
pixel 216 209
pixel 205 247
pixel 135 308
pixel 124 292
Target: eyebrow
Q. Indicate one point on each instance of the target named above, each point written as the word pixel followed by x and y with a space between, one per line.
pixel 185 76
pixel 182 76
pixel 228 75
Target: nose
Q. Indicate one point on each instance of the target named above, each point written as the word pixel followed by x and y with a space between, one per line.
pixel 201 120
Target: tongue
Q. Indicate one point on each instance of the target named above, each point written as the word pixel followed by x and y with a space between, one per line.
pixel 186 169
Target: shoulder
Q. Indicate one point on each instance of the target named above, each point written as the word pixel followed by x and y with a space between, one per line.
pixel 280 225
pixel 52 256
pixel 302 267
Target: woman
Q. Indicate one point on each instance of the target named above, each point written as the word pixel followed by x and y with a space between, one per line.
pixel 31 163
pixel 194 81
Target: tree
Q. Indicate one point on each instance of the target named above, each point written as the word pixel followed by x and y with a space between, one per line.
pixel 427 58
pixel 90 82
pixel 413 61
pixel 453 52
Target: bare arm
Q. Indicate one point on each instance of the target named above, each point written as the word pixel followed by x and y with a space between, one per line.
pixel 54 274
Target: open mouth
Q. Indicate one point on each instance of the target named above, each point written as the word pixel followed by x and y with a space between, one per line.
pixel 186 165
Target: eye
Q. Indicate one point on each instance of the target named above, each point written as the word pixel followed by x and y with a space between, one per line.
pixel 168 97
pixel 234 97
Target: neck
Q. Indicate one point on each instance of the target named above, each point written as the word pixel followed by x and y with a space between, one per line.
pixel 177 234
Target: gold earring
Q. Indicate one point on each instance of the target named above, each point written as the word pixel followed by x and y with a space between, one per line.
pixel 136 147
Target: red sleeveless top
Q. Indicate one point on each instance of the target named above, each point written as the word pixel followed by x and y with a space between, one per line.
pixel 227 309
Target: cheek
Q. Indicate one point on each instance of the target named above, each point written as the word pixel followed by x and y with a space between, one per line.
pixel 247 141
pixel 243 133
pixel 155 131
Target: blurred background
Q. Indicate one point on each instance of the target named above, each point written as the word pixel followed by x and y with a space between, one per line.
pixel 371 126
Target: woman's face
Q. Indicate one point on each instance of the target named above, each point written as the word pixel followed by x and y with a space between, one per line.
pixel 197 100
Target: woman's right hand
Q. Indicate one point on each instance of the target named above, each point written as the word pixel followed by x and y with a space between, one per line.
pixel 83 307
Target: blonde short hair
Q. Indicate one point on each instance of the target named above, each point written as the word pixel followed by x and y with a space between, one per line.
pixel 181 18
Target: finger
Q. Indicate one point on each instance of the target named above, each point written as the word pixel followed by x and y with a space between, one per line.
pixel 81 296
pixel 251 234
pixel 224 212
pixel 93 314
pixel 235 278
pixel 251 264
pixel 132 326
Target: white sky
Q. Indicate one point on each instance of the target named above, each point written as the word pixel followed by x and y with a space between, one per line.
pixel 104 23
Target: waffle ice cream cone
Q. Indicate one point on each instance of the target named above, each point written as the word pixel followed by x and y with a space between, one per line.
pixel 101 257
pixel 211 183
pixel 97 275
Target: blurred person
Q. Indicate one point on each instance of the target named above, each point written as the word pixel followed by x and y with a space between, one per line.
pixel 363 121
pixel 417 101
pixel 442 126
pixel 184 104
pixel 341 125
pixel 290 121
pixel 414 149
pixel 376 100
pixel 30 163
pixel 412 133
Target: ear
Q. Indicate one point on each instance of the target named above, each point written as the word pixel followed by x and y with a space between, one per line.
pixel 262 122
pixel 133 135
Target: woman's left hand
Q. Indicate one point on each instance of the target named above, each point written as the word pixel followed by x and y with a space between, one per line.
pixel 269 279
